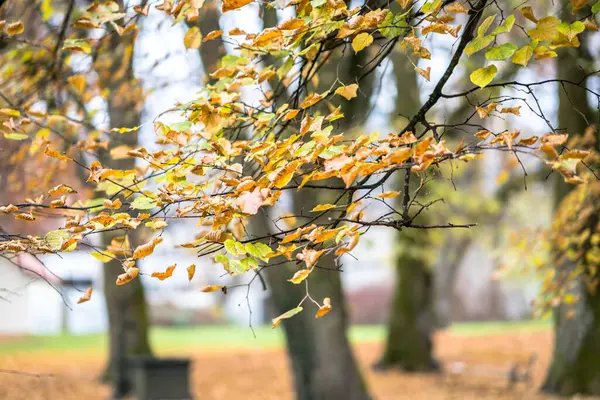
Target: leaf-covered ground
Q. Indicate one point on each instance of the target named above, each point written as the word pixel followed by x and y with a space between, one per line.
pixel 262 372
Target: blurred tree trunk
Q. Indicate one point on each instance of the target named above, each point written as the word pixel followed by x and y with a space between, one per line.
pixel 126 305
pixel 411 320
pixel 575 367
pixel 321 358
pixel 212 50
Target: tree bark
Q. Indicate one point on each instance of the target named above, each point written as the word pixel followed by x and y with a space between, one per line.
pixel 575 366
pixel 321 358
pixel 411 320
pixel 126 305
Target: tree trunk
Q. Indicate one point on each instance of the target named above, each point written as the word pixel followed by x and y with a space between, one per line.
pixel 126 305
pixel 575 366
pixel 411 321
pixel 321 358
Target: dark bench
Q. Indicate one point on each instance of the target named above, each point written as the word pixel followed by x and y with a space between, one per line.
pixel 160 378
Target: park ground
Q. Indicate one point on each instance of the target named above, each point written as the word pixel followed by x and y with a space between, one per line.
pixel 231 363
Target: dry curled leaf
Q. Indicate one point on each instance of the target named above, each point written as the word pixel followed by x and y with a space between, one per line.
pixel 299 276
pixel 128 276
pixel 164 275
pixel 86 296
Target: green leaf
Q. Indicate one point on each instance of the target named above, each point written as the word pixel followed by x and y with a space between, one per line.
pixel 249 263
pixel 478 43
pixel 501 52
pixel 286 315
pixel 391 25
pixel 483 76
pixel 235 267
pixel 143 203
pixel 505 26
pixel 572 30
pixel 16 136
pixel 285 68
pixel 485 25
pixel 180 126
pixel 596 7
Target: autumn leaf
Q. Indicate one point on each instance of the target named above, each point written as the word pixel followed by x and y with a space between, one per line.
pixel 323 207
pixel 53 153
pixel 61 189
pixel 250 202
pixel 15 28
pixel 86 296
pixel 387 195
pixel 103 256
pixel 309 256
pixel 299 276
pixel 164 275
pixel 128 276
pixel 286 315
pixel 191 270
pixel 229 5
pixel 361 41
pixel 483 76
pixel 325 308
pixel 146 249
pixel 348 91
pixel 425 73
pixel 211 288
pixel 212 35
pixel 192 38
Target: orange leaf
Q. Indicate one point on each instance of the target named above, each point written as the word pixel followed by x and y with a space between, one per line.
pixel 164 275
pixel 86 296
pixel 191 270
pixel 229 5
pixel 325 308
pixel 211 288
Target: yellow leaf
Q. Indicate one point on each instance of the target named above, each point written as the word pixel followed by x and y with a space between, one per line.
pixel 164 275
pixel 483 134
pixel 323 207
pixel 86 296
pixel 361 41
pixel 286 315
pixel 348 92
pixel 483 76
pixel 25 217
pixel 103 256
pixel 291 237
pixel 128 276
pixel 299 276
pixel 211 288
pixel 388 195
pixel 192 38
pixel 325 308
pixel 528 13
pixel 229 5
pixel 191 270
pixel 285 175
pixel 15 28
